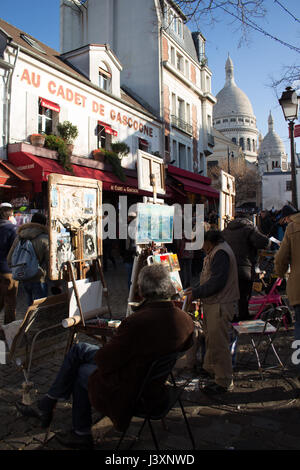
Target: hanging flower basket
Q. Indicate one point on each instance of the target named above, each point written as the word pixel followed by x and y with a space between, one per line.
pixel 38 140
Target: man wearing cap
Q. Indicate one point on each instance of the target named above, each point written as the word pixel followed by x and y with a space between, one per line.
pixel 289 255
pixel 8 286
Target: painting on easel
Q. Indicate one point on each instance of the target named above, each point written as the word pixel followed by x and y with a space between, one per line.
pixel 75 221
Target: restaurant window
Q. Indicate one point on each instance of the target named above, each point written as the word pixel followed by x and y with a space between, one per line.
pixel 143 145
pixel 103 138
pixel 48 116
pixel 288 185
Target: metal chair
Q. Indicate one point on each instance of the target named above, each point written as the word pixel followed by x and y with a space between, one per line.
pixel 159 369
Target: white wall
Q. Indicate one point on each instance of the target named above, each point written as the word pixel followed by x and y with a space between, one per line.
pixel 274 192
pixel 80 104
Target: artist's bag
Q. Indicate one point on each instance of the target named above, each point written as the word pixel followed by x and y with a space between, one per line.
pixel 24 262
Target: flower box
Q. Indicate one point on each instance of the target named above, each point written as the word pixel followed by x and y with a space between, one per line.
pixel 38 140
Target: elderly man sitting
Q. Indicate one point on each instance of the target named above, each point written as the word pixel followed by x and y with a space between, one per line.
pixel 108 378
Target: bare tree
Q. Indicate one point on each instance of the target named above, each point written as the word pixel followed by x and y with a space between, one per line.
pixel 247 180
pixel 242 16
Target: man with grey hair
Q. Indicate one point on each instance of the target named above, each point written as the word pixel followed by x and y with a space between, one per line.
pixel 109 378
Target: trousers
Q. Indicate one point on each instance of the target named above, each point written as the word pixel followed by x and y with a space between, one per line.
pixel 8 296
pixel 72 380
pixel 216 325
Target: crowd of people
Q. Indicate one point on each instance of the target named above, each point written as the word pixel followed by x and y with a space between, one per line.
pixel 97 376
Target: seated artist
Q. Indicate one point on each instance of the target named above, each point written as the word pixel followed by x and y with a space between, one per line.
pixel 109 377
pixel 219 292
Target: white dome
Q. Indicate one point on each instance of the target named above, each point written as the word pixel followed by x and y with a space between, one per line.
pixel 271 143
pixel 231 100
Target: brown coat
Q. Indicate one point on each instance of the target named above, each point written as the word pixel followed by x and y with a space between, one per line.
pixel 156 329
pixel 289 254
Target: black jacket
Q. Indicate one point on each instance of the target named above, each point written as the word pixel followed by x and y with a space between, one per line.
pixel 245 240
pixel 8 233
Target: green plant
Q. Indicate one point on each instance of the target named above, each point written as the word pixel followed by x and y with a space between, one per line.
pixel 115 161
pixel 54 142
pixel 67 131
pixel 120 148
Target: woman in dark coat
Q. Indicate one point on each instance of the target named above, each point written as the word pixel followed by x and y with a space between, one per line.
pixel 245 240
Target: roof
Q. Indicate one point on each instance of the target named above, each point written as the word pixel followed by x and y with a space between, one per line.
pixel 53 58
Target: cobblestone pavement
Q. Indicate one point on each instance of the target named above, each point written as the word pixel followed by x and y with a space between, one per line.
pixel 261 413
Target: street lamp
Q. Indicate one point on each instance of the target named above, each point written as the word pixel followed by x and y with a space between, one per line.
pixel 289 105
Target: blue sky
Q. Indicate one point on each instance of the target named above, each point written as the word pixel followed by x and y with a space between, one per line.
pixel 254 62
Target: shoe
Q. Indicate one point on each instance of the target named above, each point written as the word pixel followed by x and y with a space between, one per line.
pixel 215 389
pixel 42 410
pixel 75 441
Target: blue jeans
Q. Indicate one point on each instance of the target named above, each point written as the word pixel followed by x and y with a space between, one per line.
pixel 129 268
pixel 72 379
pixel 35 290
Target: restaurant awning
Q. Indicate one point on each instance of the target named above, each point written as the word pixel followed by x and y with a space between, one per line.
pixel 11 177
pixel 38 169
pixel 192 182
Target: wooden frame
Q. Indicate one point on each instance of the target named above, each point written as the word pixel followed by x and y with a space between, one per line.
pixel 75 216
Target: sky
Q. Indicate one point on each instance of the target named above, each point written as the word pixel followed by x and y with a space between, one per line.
pixel 255 60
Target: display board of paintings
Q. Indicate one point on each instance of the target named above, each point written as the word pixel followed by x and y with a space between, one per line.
pixel 75 220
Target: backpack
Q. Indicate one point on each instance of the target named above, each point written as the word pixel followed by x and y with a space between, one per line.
pixel 24 262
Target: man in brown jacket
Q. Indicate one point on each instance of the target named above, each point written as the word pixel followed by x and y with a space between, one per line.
pixel 219 292
pixel 289 255
pixel 109 378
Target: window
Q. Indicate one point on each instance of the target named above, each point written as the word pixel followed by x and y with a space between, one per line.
pixel 233 140
pixel 232 120
pixel 143 145
pixel 103 137
pixel 242 143
pixel 172 55
pixel 181 111
pixel 179 62
pixel 45 120
pixel 288 185
pixel 248 144
pixel 104 78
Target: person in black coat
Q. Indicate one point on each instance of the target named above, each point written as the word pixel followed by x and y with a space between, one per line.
pixel 8 286
pixel 245 240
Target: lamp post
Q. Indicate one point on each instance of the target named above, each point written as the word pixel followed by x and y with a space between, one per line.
pixel 289 105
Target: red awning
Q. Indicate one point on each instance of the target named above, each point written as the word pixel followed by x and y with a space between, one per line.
pixel 38 169
pixel 196 187
pixel 175 171
pixel 108 129
pixel 50 105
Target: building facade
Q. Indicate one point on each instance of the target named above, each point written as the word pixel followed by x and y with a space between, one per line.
pixel 41 88
pixel 164 67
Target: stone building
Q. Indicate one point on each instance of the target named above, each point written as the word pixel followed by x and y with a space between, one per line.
pixel 164 67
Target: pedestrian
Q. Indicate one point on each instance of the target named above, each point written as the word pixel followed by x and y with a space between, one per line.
pixel 219 292
pixel 287 256
pixel 245 240
pixel 8 286
pixel 108 378
pixel 37 232
pixel 128 248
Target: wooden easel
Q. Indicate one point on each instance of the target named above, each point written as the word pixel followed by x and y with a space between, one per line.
pixel 77 324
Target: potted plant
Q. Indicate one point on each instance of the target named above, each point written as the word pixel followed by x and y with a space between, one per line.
pixel 38 140
pixel 54 142
pixel 68 132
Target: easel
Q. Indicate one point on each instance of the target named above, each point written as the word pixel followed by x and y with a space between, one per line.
pixel 79 323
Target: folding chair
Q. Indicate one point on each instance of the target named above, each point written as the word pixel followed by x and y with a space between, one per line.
pixel 258 303
pixel 160 368
pixel 261 329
